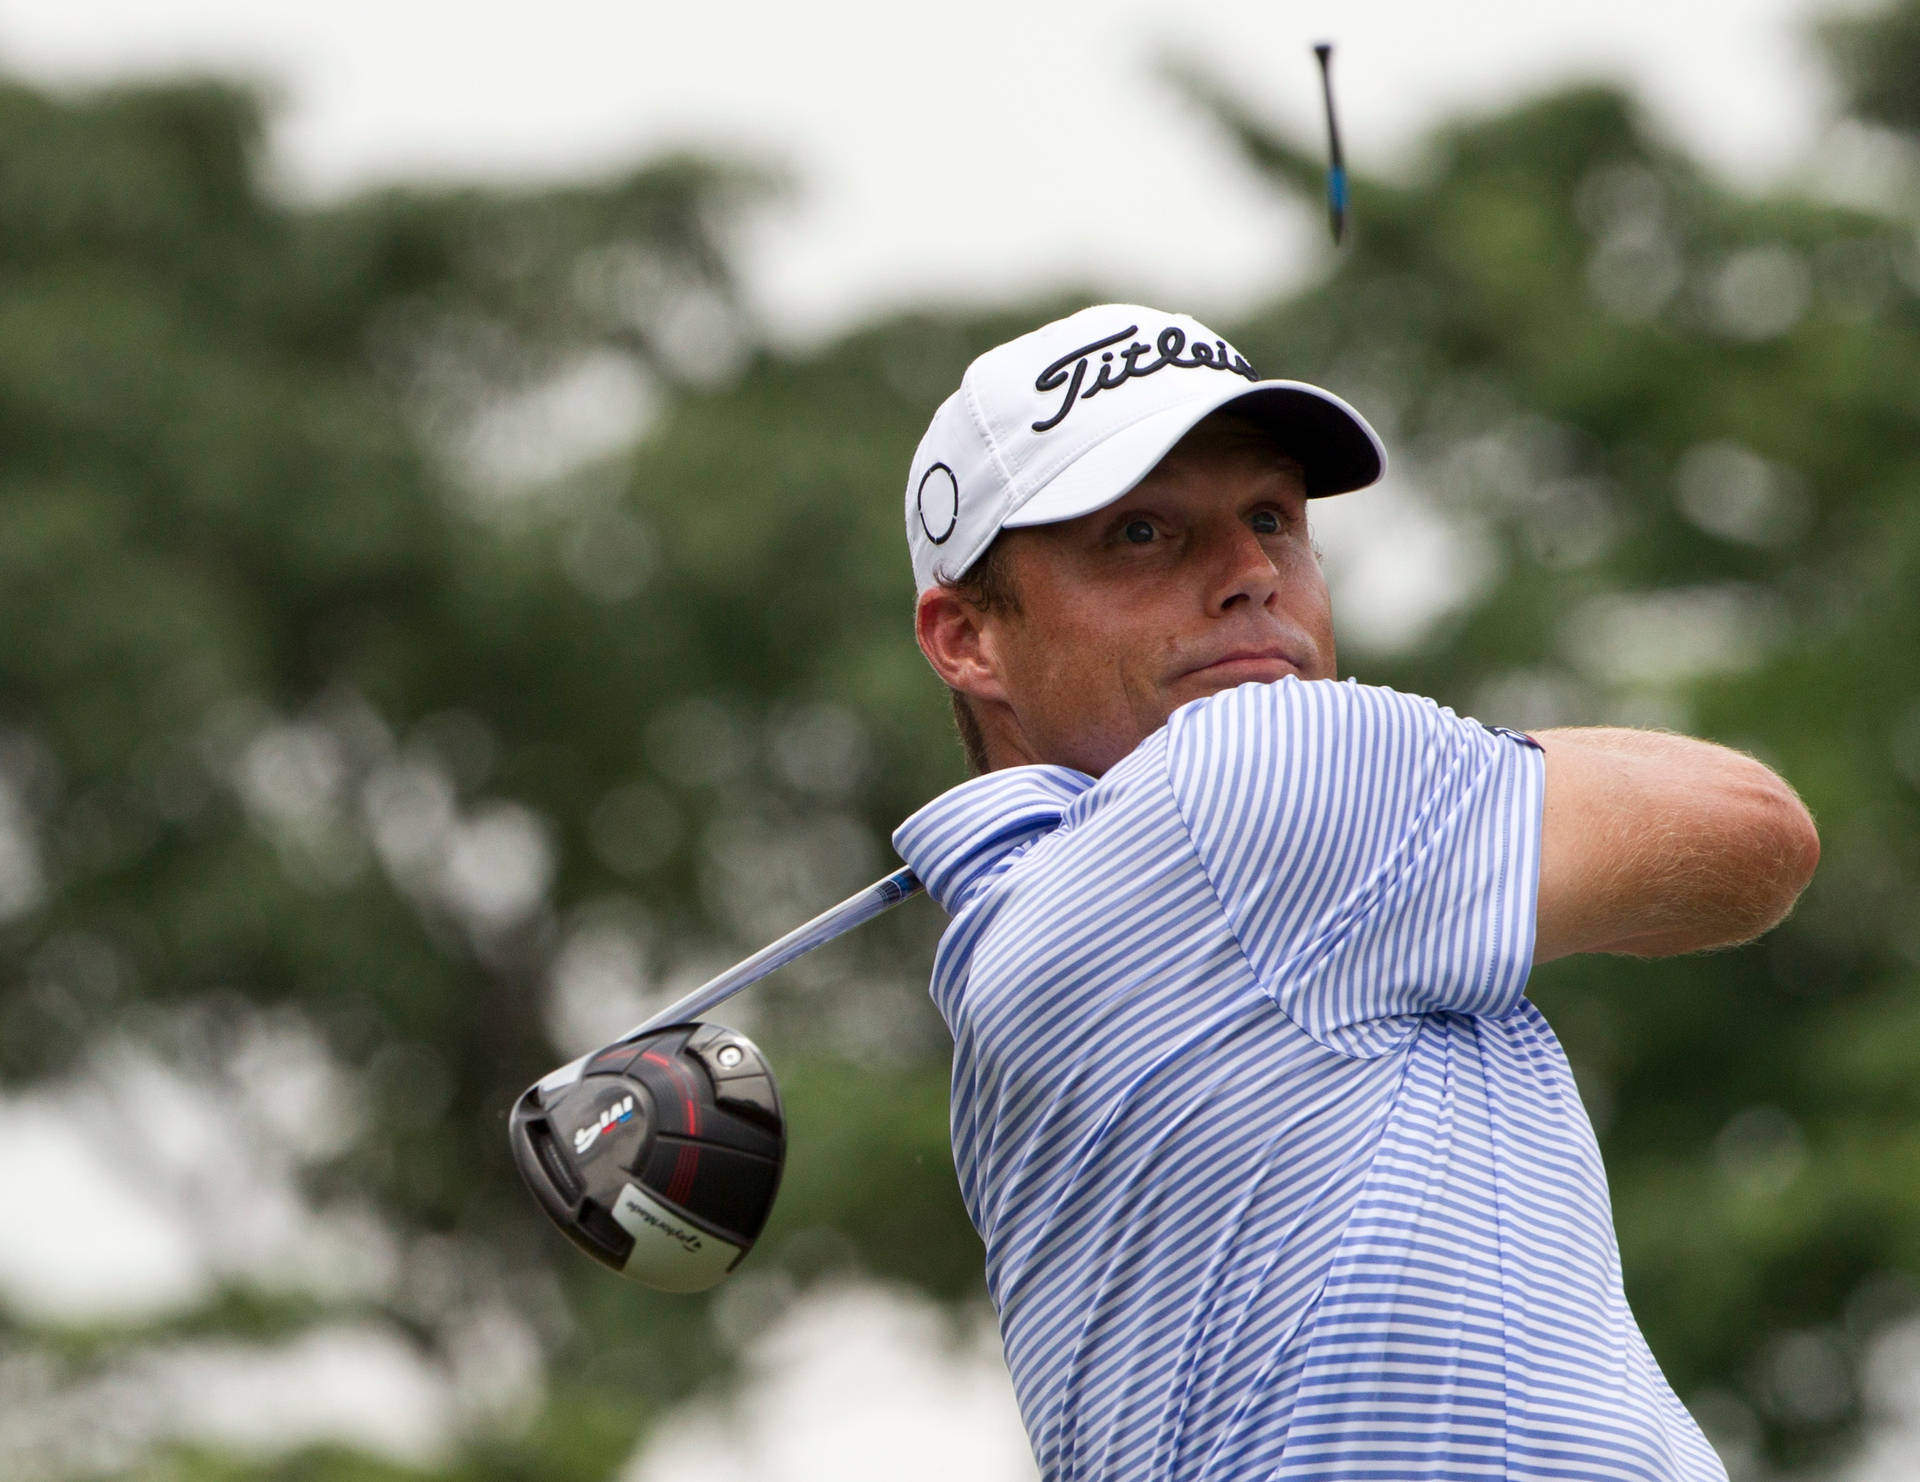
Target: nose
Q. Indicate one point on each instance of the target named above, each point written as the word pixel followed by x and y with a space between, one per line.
pixel 1246 571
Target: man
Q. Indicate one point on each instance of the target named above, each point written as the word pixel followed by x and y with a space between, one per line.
pixel 1278 1172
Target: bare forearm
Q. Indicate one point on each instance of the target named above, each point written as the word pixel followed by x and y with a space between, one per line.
pixel 1656 844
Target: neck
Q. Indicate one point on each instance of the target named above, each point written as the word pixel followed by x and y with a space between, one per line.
pixel 1006 743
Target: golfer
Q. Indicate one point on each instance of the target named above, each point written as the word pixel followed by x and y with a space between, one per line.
pixel 1278 1172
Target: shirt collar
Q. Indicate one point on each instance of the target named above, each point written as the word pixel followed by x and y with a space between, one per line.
pixel 964 833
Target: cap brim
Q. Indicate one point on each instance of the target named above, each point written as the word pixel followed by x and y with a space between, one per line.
pixel 1338 451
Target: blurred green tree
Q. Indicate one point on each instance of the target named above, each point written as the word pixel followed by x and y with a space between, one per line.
pixel 301 721
pixel 1874 55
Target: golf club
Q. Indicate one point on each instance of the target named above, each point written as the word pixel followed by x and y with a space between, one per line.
pixel 660 1153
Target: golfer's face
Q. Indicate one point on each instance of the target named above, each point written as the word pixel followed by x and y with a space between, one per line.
pixel 1200 579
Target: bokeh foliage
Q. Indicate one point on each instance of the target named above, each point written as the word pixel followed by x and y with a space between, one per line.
pixel 316 730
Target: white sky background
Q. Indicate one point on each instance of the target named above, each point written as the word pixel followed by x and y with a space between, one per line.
pixel 954 153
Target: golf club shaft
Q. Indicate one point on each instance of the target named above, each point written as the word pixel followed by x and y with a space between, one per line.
pixel 1336 157
pixel 879 897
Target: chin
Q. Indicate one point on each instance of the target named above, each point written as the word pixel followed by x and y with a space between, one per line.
pixel 1216 678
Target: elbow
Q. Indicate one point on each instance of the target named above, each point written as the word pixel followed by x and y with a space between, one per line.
pixel 1799 849
pixel 1786 853
pixel 1766 854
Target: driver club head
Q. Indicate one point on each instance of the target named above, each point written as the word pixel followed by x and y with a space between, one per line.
pixel 662 1159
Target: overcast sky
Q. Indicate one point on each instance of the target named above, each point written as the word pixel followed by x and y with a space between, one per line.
pixel 959 152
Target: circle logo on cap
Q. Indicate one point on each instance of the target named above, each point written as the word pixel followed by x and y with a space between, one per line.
pixel 939 501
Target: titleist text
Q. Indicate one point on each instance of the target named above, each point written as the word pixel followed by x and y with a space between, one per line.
pixel 1117 368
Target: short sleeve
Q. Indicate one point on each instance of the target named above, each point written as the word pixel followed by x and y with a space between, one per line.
pixel 1376 855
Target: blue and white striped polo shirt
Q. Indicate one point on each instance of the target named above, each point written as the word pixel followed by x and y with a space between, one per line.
pixel 1279 1174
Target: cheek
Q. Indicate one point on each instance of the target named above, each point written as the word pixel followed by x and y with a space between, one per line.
pixel 1070 671
pixel 1314 611
pixel 1080 661
pixel 1303 578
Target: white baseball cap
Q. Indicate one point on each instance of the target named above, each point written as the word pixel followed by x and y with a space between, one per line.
pixel 1063 421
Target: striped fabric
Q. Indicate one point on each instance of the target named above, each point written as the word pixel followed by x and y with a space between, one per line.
pixel 1278 1173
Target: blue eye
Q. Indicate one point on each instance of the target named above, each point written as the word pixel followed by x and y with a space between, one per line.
pixel 1139 532
pixel 1265 522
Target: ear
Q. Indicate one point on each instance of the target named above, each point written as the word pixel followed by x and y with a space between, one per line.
pixel 960 642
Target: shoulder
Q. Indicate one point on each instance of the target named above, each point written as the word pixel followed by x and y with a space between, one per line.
pixel 1296 744
pixel 1304 697
pixel 1295 713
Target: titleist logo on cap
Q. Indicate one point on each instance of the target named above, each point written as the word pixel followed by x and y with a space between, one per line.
pixel 1117 370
